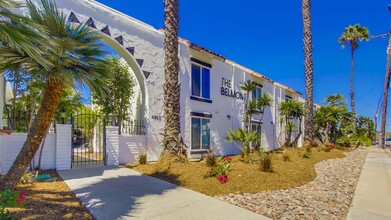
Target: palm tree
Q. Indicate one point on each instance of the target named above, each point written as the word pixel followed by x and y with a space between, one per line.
pixel 292 109
pixel 350 38
pixel 243 136
pixel 308 72
pixel 172 140
pixel 263 102
pixel 73 51
pixel 15 32
pixel 248 87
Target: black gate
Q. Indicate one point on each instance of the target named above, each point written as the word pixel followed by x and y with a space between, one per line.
pixel 88 138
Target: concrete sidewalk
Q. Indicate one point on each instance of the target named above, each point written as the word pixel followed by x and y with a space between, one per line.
pixel 121 193
pixel 372 199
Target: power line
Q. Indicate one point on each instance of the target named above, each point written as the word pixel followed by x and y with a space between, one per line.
pixel 369 91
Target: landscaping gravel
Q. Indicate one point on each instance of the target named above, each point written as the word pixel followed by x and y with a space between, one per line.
pixel 327 197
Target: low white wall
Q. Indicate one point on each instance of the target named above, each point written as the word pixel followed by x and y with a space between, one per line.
pixel 11 145
pixel 131 147
pixel 56 152
pixel 112 146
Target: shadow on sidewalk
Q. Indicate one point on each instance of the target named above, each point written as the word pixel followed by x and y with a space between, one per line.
pixel 110 194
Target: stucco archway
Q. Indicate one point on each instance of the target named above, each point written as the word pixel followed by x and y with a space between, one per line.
pixel 117 44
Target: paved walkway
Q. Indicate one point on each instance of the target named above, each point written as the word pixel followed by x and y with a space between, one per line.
pixel 121 193
pixel 372 199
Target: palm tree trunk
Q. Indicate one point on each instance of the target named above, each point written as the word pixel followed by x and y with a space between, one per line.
pixel 246 117
pixel 295 143
pixel 172 141
pixel 51 98
pixel 308 72
pixel 352 103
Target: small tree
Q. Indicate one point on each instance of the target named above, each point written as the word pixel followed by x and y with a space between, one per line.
pixel 292 109
pixel 249 107
pixel 121 90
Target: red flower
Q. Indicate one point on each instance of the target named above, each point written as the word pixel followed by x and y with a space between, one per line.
pixel 332 147
pixel 227 158
pixel 22 196
pixel 19 201
pixel 223 178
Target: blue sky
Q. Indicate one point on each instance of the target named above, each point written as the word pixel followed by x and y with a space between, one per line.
pixel 266 36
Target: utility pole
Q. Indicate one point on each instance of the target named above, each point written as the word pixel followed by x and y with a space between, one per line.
pixel 385 94
pixel 375 126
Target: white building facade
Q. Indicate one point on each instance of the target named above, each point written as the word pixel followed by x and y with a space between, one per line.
pixel 212 101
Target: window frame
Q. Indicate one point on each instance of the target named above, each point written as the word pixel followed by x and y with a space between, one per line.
pixel 202 66
pixel 258 86
pixel 191 134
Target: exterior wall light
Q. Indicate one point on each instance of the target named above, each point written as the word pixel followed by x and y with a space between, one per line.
pixel 229 117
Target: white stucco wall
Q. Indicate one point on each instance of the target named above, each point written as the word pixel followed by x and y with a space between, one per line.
pixel 2 99
pixel 148 46
pixel 53 154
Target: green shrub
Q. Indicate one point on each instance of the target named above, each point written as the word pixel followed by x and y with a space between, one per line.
pixel 308 148
pixel 26 179
pixel 286 157
pixel 266 162
pixel 210 159
pixel 307 155
pixel 143 158
pixel 10 199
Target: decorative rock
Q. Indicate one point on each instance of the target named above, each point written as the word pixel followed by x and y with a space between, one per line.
pixel 327 197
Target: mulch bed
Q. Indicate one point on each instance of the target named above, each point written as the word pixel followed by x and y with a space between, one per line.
pixel 50 200
pixel 243 177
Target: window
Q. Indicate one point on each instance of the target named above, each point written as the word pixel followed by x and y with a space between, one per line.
pixel 257 93
pixel 200 81
pixel 256 127
pixel 287 98
pixel 200 134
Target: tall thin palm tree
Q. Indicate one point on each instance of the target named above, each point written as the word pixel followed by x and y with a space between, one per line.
pixel 308 72
pixel 350 38
pixel 172 140
pixel 74 52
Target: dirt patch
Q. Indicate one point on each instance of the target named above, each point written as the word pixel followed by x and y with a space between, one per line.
pixel 52 200
pixel 243 177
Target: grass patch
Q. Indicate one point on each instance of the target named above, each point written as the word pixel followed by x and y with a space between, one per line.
pixel 243 177
pixel 50 200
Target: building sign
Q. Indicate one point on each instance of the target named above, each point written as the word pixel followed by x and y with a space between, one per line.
pixel 226 90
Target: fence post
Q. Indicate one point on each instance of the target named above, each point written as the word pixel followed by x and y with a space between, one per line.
pixel 112 145
pixel 63 146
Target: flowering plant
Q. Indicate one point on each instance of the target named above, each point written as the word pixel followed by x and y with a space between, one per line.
pixel 222 178
pixel 10 199
pixel 220 171
pixel 227 158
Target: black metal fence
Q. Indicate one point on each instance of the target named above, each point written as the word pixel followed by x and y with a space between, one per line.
pixel 88 138
pixel 133 127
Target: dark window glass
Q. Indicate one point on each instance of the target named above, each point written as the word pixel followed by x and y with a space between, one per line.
pixel 195 133
pixel 205 83
pixel 196 80
pixel 205 134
